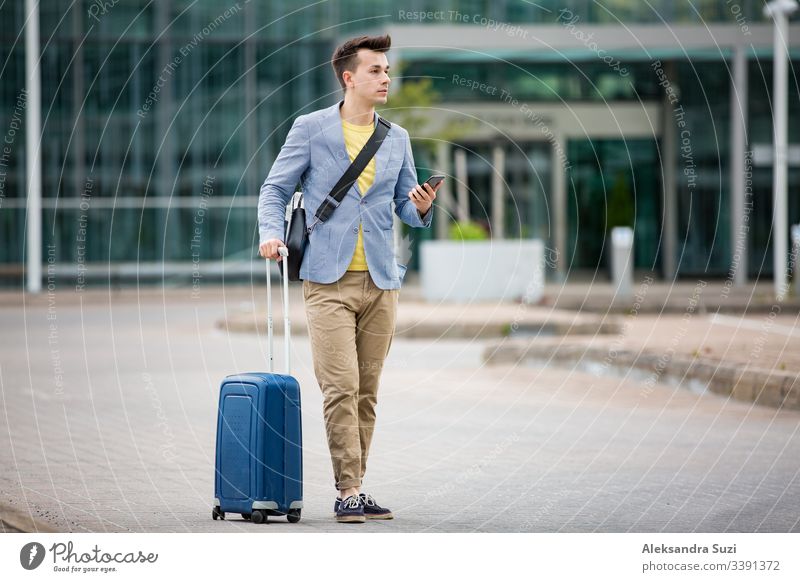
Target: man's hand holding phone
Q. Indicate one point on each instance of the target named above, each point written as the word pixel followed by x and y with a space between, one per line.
pixel 424 195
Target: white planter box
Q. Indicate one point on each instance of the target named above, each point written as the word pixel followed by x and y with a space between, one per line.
pixel 464 271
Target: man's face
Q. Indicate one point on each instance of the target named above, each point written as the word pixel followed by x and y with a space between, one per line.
pixel 370 81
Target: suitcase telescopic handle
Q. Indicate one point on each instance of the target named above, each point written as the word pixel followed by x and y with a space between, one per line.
pixel 284 252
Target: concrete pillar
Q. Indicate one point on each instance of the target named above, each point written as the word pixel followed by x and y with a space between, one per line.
pixel 250 99
pixel 498 192
pixel 166 224
pixel 444 197
pixel 559 201
pixel 670 187
pixel 737 175
pixel 78 147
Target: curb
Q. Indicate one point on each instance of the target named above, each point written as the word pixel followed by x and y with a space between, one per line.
pixel 762 386
pixel 463 329
pixel 16 520
pixel 788 307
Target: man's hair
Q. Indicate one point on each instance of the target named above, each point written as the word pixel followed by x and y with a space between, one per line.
pixel 345 57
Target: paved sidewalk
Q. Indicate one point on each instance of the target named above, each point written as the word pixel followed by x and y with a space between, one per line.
pixel 109 412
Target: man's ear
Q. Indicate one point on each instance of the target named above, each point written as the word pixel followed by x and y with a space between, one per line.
pixel 347 77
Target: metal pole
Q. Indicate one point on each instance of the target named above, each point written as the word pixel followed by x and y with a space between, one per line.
pixel 287 330
pixel 269 319
pixel 779 10
pixel 795 233
pixel 33 160
pixel 462 188
pixel 780 100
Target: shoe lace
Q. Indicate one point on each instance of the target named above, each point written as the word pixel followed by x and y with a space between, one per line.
pixel 352 502
pixel 368 500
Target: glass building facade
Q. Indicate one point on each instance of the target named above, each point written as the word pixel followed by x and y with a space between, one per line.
pixel 598 166
pixel 161 120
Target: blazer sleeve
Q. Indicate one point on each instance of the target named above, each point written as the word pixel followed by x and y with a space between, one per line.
pixel 278 188
pixel 406 180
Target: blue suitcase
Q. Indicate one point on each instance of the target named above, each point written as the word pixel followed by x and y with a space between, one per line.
pixel 259 459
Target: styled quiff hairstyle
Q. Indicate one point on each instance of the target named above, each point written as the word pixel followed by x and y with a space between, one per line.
pixel 345 57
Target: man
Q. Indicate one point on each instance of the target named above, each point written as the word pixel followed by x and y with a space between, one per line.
pixel 351 280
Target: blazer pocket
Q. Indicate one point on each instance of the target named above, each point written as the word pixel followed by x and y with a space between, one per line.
pixel 391 261
pixel 402 271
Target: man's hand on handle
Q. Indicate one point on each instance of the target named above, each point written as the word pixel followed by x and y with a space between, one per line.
pixel 269 249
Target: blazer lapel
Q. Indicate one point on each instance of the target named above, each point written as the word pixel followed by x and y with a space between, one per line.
pixel 331 127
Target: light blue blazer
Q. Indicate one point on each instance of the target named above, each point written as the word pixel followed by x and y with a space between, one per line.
pixel 314 154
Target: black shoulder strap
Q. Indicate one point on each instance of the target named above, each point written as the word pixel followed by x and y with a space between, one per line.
pixel 344 184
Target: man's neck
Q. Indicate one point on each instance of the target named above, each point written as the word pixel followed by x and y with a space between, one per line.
pixel 357 112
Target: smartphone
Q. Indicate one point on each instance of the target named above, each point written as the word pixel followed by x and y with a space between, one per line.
pixel 434 180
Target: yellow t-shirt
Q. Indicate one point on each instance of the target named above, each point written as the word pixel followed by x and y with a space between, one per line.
pixel 355 137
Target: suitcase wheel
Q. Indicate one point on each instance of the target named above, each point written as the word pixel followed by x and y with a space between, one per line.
pixel 216 513
pixel 293 516
pixel 246 516
pixel 259 516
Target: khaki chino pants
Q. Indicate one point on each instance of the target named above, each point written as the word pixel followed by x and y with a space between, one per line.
pixel 350 323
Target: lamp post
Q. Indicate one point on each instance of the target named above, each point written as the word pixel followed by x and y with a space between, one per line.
pixel 780 10
pixel 33 159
